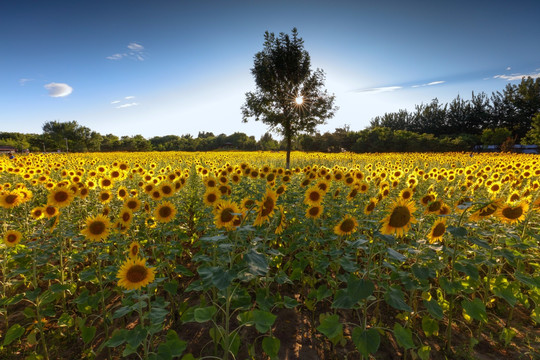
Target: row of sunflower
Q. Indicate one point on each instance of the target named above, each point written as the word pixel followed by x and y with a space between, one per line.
pixel 419 200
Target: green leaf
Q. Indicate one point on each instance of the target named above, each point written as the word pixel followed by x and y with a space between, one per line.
pixel 87 333
pixel 256 262
pixel 393 254
pixel 423 272
pixel 263 320
pixel 289 302
pixel 331 327
pixel 475 309
pixel 56 288
pixel 124 310
pixel 527 280
pixel 323 292
pixel 171 287
pixel 430 326
pixel 88 275
pixel 176 345
pixel 457 231
pixel 468 269
pixel 396 299
pixel 423 352
pixel 403 336
pixel 367 341
pixel 271 346
pixel 357 289
pixel 118 338
pixel 507 293
pixel 157 315
pixel 65 320
pixel 13 333
pixel 204 314
pixel 434 309
pixel 136 336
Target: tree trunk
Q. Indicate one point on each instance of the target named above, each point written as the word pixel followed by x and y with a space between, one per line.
pixel 289 140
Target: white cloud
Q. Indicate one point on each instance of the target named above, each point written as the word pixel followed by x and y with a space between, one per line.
pixel 381 89
pixel 509 68
pixel 429 84
pixel 115 102
pixel 58 89
pixel 135 47
pixel 127 105
pixel 23 81
pixel 129 97
pixel 517 76
pixel 136 53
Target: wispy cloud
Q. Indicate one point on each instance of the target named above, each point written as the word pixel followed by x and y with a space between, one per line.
pixel 127 105
pixel 429 84
pixel 23 81
pixel 380 89
pixel 120 104
pixel 135 52
pixel 513 77
pixel 58 89
pixel 508 68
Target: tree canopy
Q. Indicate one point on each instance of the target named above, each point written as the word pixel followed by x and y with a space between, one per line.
pixel 289 97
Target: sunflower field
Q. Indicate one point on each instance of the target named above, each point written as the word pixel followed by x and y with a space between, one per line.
pixel 227 255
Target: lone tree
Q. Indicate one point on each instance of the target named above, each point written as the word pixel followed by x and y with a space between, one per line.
pixel 289 96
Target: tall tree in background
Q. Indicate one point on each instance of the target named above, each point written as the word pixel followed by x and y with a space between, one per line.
pixel 289 96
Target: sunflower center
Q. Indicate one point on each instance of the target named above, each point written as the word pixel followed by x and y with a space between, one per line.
pixel 11 238
pixel 50 210
pixel 166 190
pixel 406 195
pixel 106 182
pixel 10 199
pixel 97 227
pixel 126 216
pixel 105 196
pixel 165 212
pixel 132 204
pixel 353 193
pixel 347 225
pixel 512 213
pixel 226 215
pixel 61 196
pixel 134 250
pixel 439 230
pixel 314 211
pixel 487 210
pixel 434 206
pixel 268 206
pixel 211 197
pixel 314 196
pixel 400 217
pixel 371 206
pixel 136 273
pixel 122 193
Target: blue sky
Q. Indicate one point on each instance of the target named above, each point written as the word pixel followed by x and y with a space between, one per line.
pixel 179 67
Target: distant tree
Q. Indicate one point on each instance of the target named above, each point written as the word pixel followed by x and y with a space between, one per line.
pixel 495 136
pixel 533 136
pixel 289 96
pixel 267 142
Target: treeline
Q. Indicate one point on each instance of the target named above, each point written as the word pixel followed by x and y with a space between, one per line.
pixel 507 117
pixel 511 109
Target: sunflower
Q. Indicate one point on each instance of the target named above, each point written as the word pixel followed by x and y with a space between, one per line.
pixel 106 183
pixel 97 228
pixel 134 249
pixel 226 214
pixel 282 221
pixel 60 197
pixel 281 189
pixel 266 207
pixel 314 211
pixel 105 196
pixel 12 238
pixel 122 193
pixel 485 211
pixel 313 196
pixel 165 212
pixel 494 188
pixel 211 196
pixel 247 204
pixel 10 199
pixel 134 274
pixel 434 207
pixel 400 218
pixel 437 231
pixel 167 189
pixel 428 198
pixel 210 182
pixel 370 206
pixel 37 213
pixel 406 193
pixel 50 211
pixel 346 226
pixel 125 217
pixel 445 210
pixel 511 214
pixel 132 203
